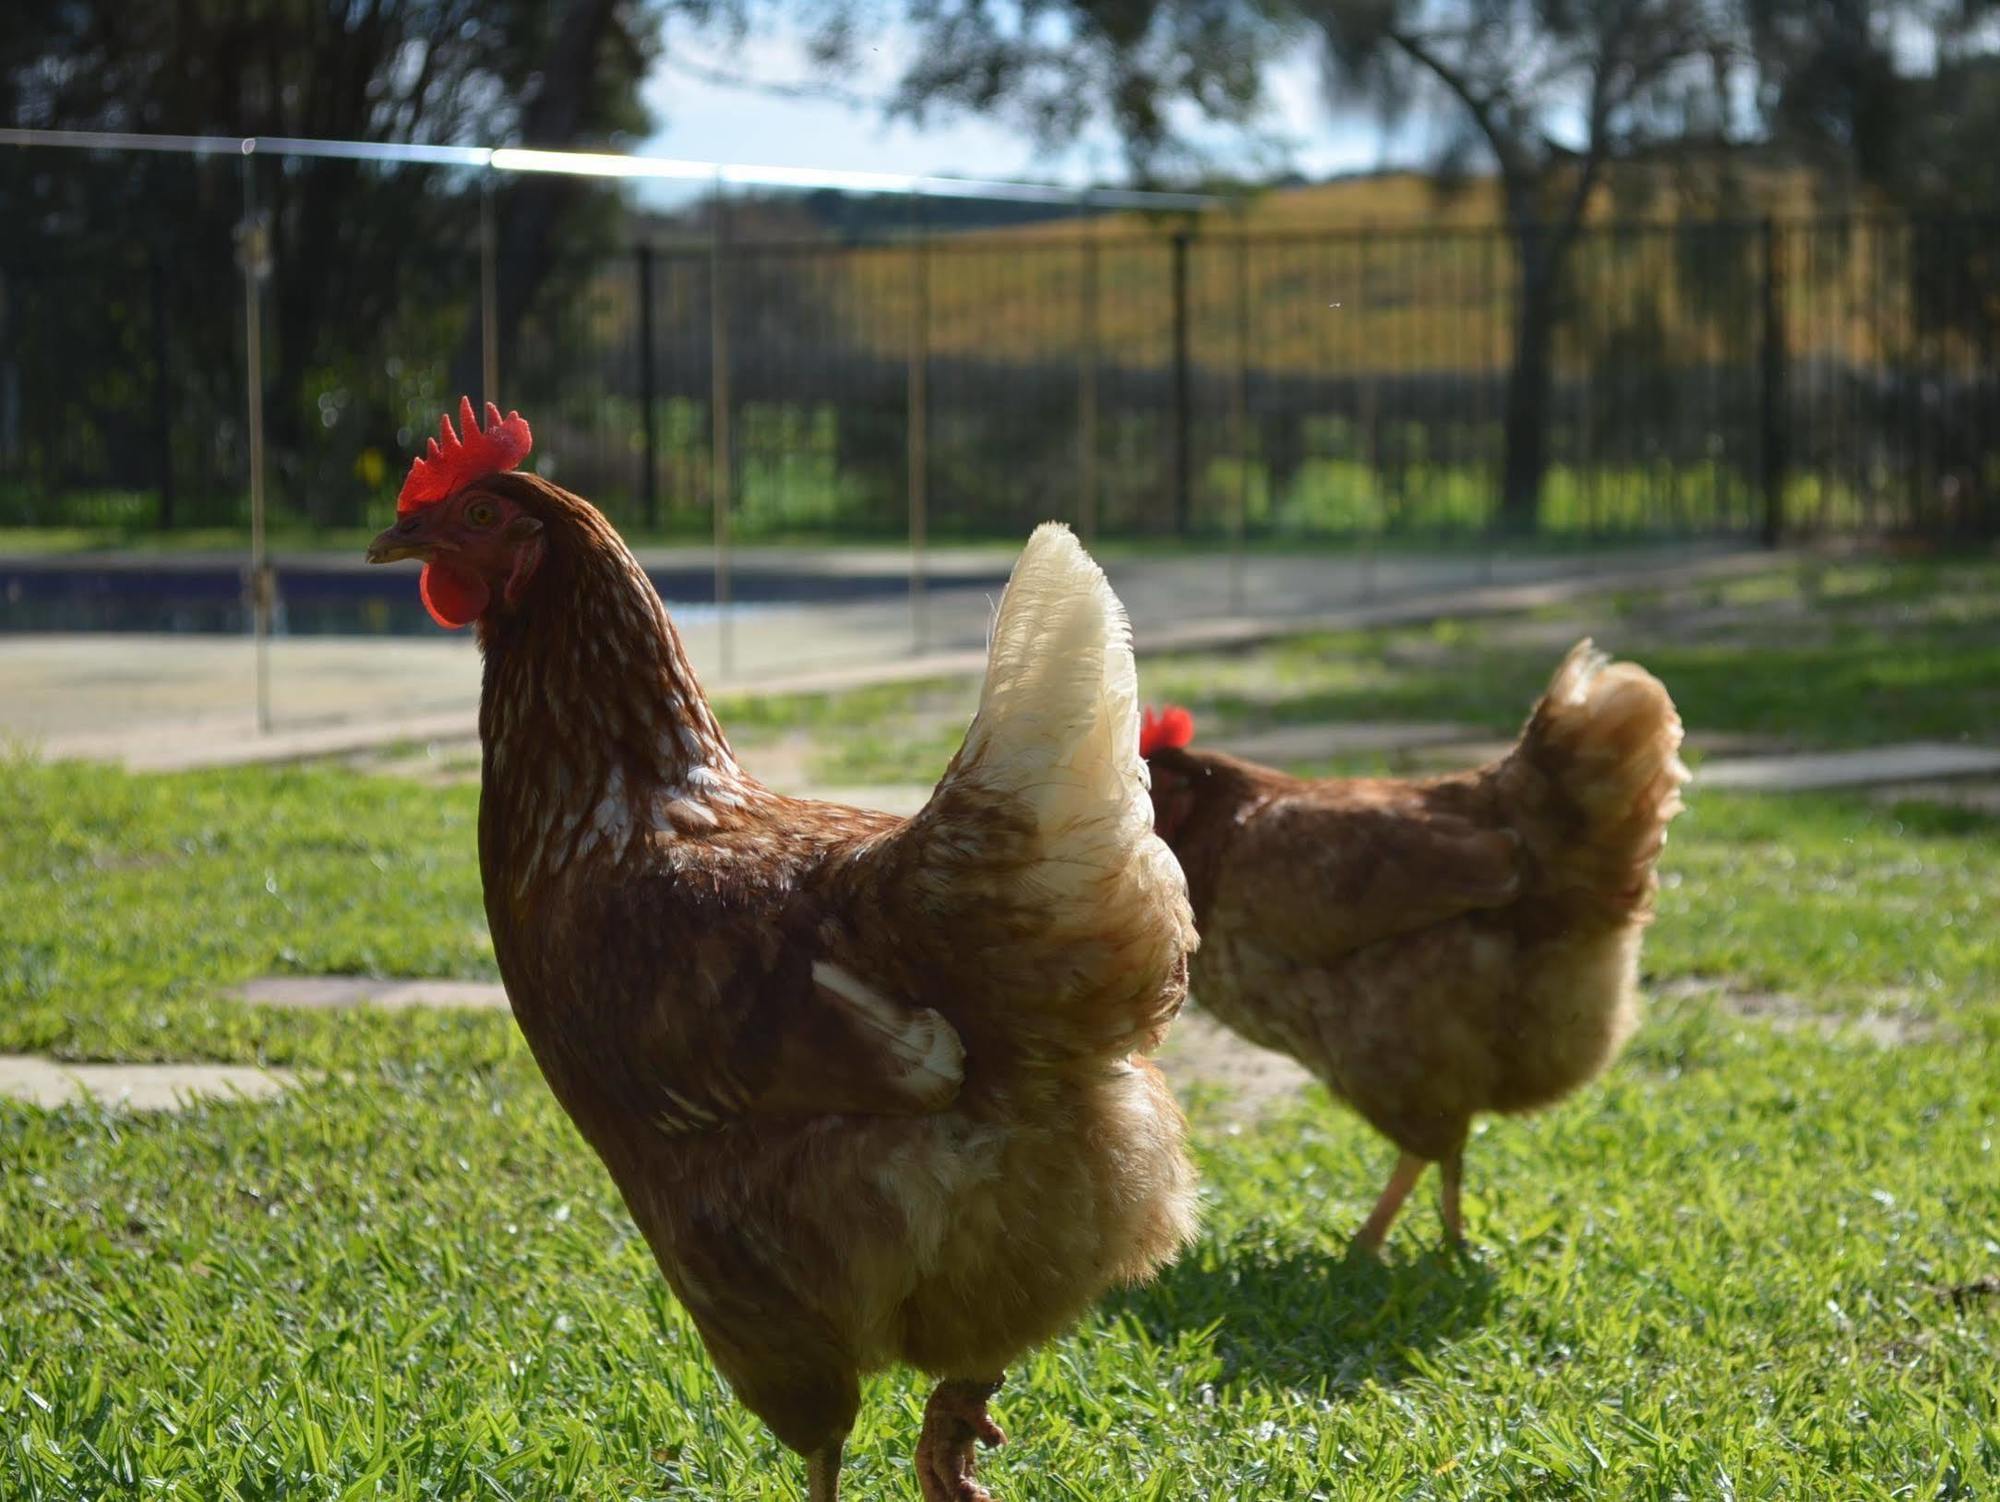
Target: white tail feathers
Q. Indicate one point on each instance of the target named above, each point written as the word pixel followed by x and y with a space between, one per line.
pixel 1058 721
pixel 1057 739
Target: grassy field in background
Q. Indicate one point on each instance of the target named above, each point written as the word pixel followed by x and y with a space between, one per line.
pixel 1385 275
pixel 1755 1262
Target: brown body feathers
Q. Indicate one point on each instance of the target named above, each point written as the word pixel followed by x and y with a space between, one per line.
pixel 872 1088
pixel 1435 949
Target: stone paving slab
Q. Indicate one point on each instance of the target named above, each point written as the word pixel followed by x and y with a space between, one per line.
pixel 50 1083
pixel 316 993
pixel 1746 747
pixel 1916 761
pixel 1979 795
pixel 308 992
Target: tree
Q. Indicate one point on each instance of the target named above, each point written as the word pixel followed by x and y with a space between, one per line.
pixel 1897 101
pixel 1552 91
pixel 1895 97
pixel 593 56
pixel 1056 67
pixel 358 248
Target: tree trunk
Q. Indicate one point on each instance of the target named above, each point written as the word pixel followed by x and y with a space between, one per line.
pixel 1526 413
pixel 533 205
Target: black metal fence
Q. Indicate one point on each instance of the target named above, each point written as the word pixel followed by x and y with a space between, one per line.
pixel 1707 378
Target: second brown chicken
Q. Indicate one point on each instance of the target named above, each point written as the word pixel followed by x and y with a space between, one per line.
pixel 1433 949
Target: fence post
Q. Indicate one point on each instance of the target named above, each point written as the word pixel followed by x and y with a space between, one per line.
pixel 1771 387
pixel 721 443
pixel 163 431
pixel 1239 518
pixel 649 502
pixel 253 250
pixel 489 293
pixel 1086 402
pixel 1183 500
pixel 919 418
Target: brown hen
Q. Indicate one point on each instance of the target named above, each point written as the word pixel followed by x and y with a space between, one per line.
pixel 870 1087
pixel 1435 949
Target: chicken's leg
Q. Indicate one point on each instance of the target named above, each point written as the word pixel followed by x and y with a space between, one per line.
pixel 1409 1168
pixel 954 1419
pixel 1450 1171
pixel 823 1474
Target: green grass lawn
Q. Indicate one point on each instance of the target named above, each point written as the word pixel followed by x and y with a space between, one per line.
pixel 1756 1261
pixel 1818 655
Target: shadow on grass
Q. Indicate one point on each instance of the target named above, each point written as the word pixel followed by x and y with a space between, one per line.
pixel 1305 1317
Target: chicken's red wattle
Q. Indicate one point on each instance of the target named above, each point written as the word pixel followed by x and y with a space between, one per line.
pixel 455 597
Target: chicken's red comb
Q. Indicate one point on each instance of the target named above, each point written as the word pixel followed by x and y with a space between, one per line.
pixel 452 460
pixel 1166 729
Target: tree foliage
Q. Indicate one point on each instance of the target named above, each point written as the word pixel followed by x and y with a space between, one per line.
pixel 1898 100
pixel 1550 92
pixel 375 267
pixel 1149 69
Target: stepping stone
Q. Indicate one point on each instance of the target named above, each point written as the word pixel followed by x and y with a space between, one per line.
pixel 1918 761
pixel 1980 796
pixel 314 993
pixel 1461 755
pixel 135 1087
pixel 308 992
pixel 445 995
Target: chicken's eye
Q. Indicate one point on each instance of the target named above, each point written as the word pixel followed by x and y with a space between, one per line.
pixel 482 513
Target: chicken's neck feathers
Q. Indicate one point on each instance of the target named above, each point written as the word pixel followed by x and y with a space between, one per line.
pixel 1227 797
pixel 596 733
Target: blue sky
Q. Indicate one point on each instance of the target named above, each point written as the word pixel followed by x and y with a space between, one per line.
pixel 712 121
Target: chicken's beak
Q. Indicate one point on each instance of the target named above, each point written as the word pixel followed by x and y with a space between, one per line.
pixel 407 539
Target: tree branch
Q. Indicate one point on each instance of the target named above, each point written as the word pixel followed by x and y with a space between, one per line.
pixel 1506 148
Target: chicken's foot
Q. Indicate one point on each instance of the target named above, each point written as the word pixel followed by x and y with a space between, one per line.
pixel 1409 1168
pixel 823 1474
pixel 954 1420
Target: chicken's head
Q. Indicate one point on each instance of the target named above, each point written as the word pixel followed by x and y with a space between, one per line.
pixel 1163 738
pixel 478 542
